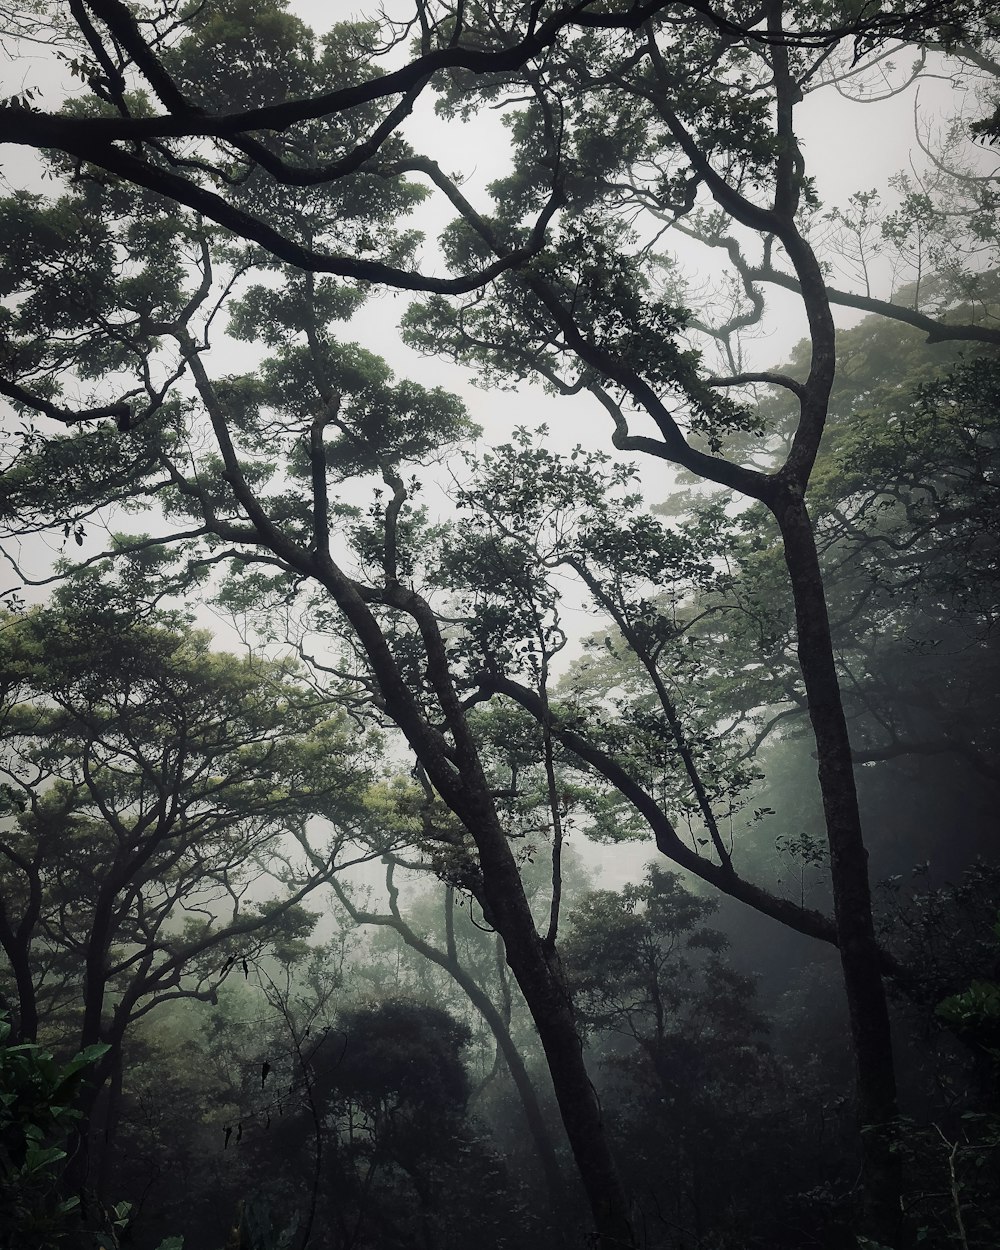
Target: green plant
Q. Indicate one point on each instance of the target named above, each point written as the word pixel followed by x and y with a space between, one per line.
pixel 974 1014
pixel 36 1120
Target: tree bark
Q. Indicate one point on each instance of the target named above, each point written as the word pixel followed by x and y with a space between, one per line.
pixel 25 1026
pixel 109 1129
pixel 859 952
pixel 536 970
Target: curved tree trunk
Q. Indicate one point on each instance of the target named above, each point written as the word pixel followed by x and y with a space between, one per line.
pixel 535 966
pixel 109 1129
pixel 26 1021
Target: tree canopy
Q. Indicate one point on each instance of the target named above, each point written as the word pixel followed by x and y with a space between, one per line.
pixel 177 346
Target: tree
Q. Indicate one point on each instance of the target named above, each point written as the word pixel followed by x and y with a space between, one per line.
pixel 352 1129
pixel 281 525
pixel 151 785
pixel 189 141
pixel 393 1080
pixel 596 315
pixel 699 1097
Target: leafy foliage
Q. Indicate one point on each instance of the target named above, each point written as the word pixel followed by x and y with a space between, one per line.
pixel 37 1121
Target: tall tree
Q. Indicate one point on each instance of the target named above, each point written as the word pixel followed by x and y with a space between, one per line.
pixel 262 501
pixel 151 786
pixel 715 151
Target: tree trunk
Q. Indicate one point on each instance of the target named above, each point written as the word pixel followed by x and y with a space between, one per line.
pixel 859 953
pixel 536 969
pixel 109 1130
pixel 460 780
pixel 26 1023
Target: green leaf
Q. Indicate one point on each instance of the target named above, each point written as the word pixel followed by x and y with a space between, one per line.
pixel 36 1159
